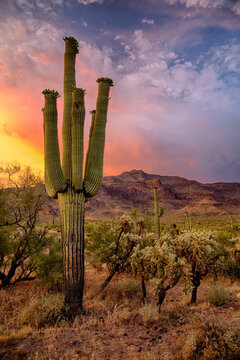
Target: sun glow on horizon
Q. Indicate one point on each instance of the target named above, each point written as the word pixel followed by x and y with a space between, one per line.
pixel 14 149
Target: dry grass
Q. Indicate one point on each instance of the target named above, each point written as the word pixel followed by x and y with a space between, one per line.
pixel 149 313
pixel 218 296
pixel 31 325
pixel 208 338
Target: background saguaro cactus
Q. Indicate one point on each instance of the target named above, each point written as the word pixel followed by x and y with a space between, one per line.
pixel 158 212
pixel 66 181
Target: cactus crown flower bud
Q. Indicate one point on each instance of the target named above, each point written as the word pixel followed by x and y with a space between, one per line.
pixel 106 80
pixel 74 42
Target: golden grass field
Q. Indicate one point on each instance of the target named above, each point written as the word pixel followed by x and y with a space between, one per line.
pixel 116 326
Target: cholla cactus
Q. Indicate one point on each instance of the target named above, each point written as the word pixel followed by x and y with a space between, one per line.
pixel 158 211
pixel 66 180
pixel 160 264
pixel 201 251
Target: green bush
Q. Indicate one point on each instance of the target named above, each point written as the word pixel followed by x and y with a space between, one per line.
pixel 22 237
pixel 49 266
pixel 100 243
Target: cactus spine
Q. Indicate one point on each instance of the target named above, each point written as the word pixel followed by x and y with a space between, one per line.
pixel 66 181
pixel 158 212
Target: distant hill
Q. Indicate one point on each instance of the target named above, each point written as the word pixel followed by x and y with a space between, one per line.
pixel 119 194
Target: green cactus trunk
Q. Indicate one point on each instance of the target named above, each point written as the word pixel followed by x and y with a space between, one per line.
pixel 66 181
pixel 71 207
pixel 158 212
pixel 156 215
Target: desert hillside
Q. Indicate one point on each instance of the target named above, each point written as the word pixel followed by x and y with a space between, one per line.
pixel 119 194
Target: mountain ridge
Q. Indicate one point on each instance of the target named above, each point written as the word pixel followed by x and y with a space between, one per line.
pixel 120 193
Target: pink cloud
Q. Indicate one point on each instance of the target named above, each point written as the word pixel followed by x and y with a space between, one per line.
pixel 157 116
pixel 215 4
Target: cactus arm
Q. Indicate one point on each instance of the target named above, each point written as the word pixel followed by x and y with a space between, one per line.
pixel 161 211
pixel 48 186
pixel 49 189
pixel 71 49
pixel 53 170
pixel 94 170
pixel 93 112
pixel 78 116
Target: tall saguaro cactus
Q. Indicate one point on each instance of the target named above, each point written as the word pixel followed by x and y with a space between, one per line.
pixel 66 181
pixel 158 212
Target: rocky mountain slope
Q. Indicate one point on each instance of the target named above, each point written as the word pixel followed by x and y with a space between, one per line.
pixel 119 194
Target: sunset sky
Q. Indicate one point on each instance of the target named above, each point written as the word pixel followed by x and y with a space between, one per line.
pixel 175 106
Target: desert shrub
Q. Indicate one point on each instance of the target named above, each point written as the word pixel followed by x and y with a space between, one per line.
pixel 107 244
pixel 112 245
pixel 149 313
pixel 49 265
pixel 228 263
pixel 100 238
pixel 125 289
pixel 123 315
pixel 171 229
pixel 235 256
pixel 52 225
pixel 208 339
pixel 129 288
pixel 43 311
pixel 218 296
pixel 224 237
pixel 97 265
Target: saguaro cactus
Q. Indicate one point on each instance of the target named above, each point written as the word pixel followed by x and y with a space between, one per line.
pixel 158 212
pixel 66 181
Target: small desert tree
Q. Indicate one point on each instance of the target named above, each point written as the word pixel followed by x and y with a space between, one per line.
pixel 112 246
pixel 22 197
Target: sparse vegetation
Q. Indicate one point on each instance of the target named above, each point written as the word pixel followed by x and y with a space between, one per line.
pixel 43 311
pixel 116 324
pixel 210 339
pixel 218 295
